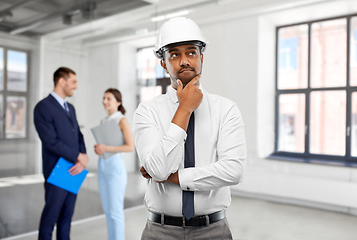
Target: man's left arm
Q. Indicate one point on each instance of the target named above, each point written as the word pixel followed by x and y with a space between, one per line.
pixel 82 146
pixel 79 165
pixel 229 167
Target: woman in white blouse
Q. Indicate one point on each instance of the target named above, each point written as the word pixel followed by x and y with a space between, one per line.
pixel 112 176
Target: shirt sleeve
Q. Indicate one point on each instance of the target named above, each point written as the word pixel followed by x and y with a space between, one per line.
pixel 160 150
pixel 231 158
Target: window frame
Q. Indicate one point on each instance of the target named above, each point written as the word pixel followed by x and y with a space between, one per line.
pixel 6 93
pixel 307 157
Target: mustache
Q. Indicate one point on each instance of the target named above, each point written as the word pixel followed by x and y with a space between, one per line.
pixel 186 68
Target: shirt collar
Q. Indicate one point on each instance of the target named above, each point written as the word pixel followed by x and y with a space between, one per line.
pixel 58 98
pixel 173 96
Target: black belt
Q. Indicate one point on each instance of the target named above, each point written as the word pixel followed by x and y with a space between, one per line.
pixel 197 221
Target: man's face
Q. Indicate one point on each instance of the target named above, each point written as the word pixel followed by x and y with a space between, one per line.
pixel 69 85
pixel 183 62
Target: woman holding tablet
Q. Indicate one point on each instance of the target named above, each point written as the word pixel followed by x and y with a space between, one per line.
pixel 112 176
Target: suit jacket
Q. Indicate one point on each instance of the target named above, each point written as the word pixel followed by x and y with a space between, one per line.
pixel 59 133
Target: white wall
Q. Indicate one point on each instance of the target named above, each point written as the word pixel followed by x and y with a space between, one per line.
pixel 239 64
pixel 110 66
pixel 127 86
pixel 230 68
pixel 102 74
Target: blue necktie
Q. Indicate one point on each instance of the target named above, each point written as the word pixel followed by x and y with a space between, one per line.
pixel 66 107
pixel 188 209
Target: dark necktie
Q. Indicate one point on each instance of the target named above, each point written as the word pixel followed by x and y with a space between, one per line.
pixel 66 107
pixel 188 209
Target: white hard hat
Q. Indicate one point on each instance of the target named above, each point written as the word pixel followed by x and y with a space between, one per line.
pixel 178 30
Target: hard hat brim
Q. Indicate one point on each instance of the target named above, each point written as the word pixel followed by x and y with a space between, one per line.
pixel 160 52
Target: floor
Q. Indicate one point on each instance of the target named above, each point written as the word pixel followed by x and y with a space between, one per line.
pixel 250 219
pixel 22 200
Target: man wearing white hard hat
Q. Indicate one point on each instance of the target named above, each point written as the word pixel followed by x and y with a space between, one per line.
pixel 191 144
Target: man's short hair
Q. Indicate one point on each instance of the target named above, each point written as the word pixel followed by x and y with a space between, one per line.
pixel 62 72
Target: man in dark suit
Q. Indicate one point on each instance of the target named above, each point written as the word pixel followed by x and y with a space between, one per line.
pixel 56 124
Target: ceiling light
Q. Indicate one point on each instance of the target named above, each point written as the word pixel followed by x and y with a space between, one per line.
pixel 158 18
pixel 177 14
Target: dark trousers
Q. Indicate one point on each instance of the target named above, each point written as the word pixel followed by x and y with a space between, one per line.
pixel 59 208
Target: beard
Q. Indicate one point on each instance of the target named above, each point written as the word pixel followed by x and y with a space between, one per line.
pixel 185 74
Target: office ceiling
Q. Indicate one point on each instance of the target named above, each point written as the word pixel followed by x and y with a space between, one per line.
pixel 38 17
pixel 96 22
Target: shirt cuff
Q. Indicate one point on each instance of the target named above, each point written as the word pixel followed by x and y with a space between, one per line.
pixel 186 179
pixel 176 133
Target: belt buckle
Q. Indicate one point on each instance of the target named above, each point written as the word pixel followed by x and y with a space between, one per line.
pixel 183 222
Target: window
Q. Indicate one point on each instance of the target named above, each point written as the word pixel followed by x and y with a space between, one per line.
pixel 292 57
pixel 353 61
pixel 288 53
pixel 152 79
pixel 13 93
pixel 316 91
pixel 291 122
pixel 354 44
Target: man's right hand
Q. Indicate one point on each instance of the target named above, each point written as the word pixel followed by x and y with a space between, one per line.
pixel 190 96
pixel 190 99
pixel 77 168
pixel 83 159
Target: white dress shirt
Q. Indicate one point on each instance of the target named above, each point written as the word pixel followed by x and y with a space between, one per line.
pixel 220 153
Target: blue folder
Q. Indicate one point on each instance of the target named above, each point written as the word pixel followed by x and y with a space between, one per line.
pixel 60 176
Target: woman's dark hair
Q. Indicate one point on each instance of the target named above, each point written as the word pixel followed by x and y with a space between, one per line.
pixel 117 96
